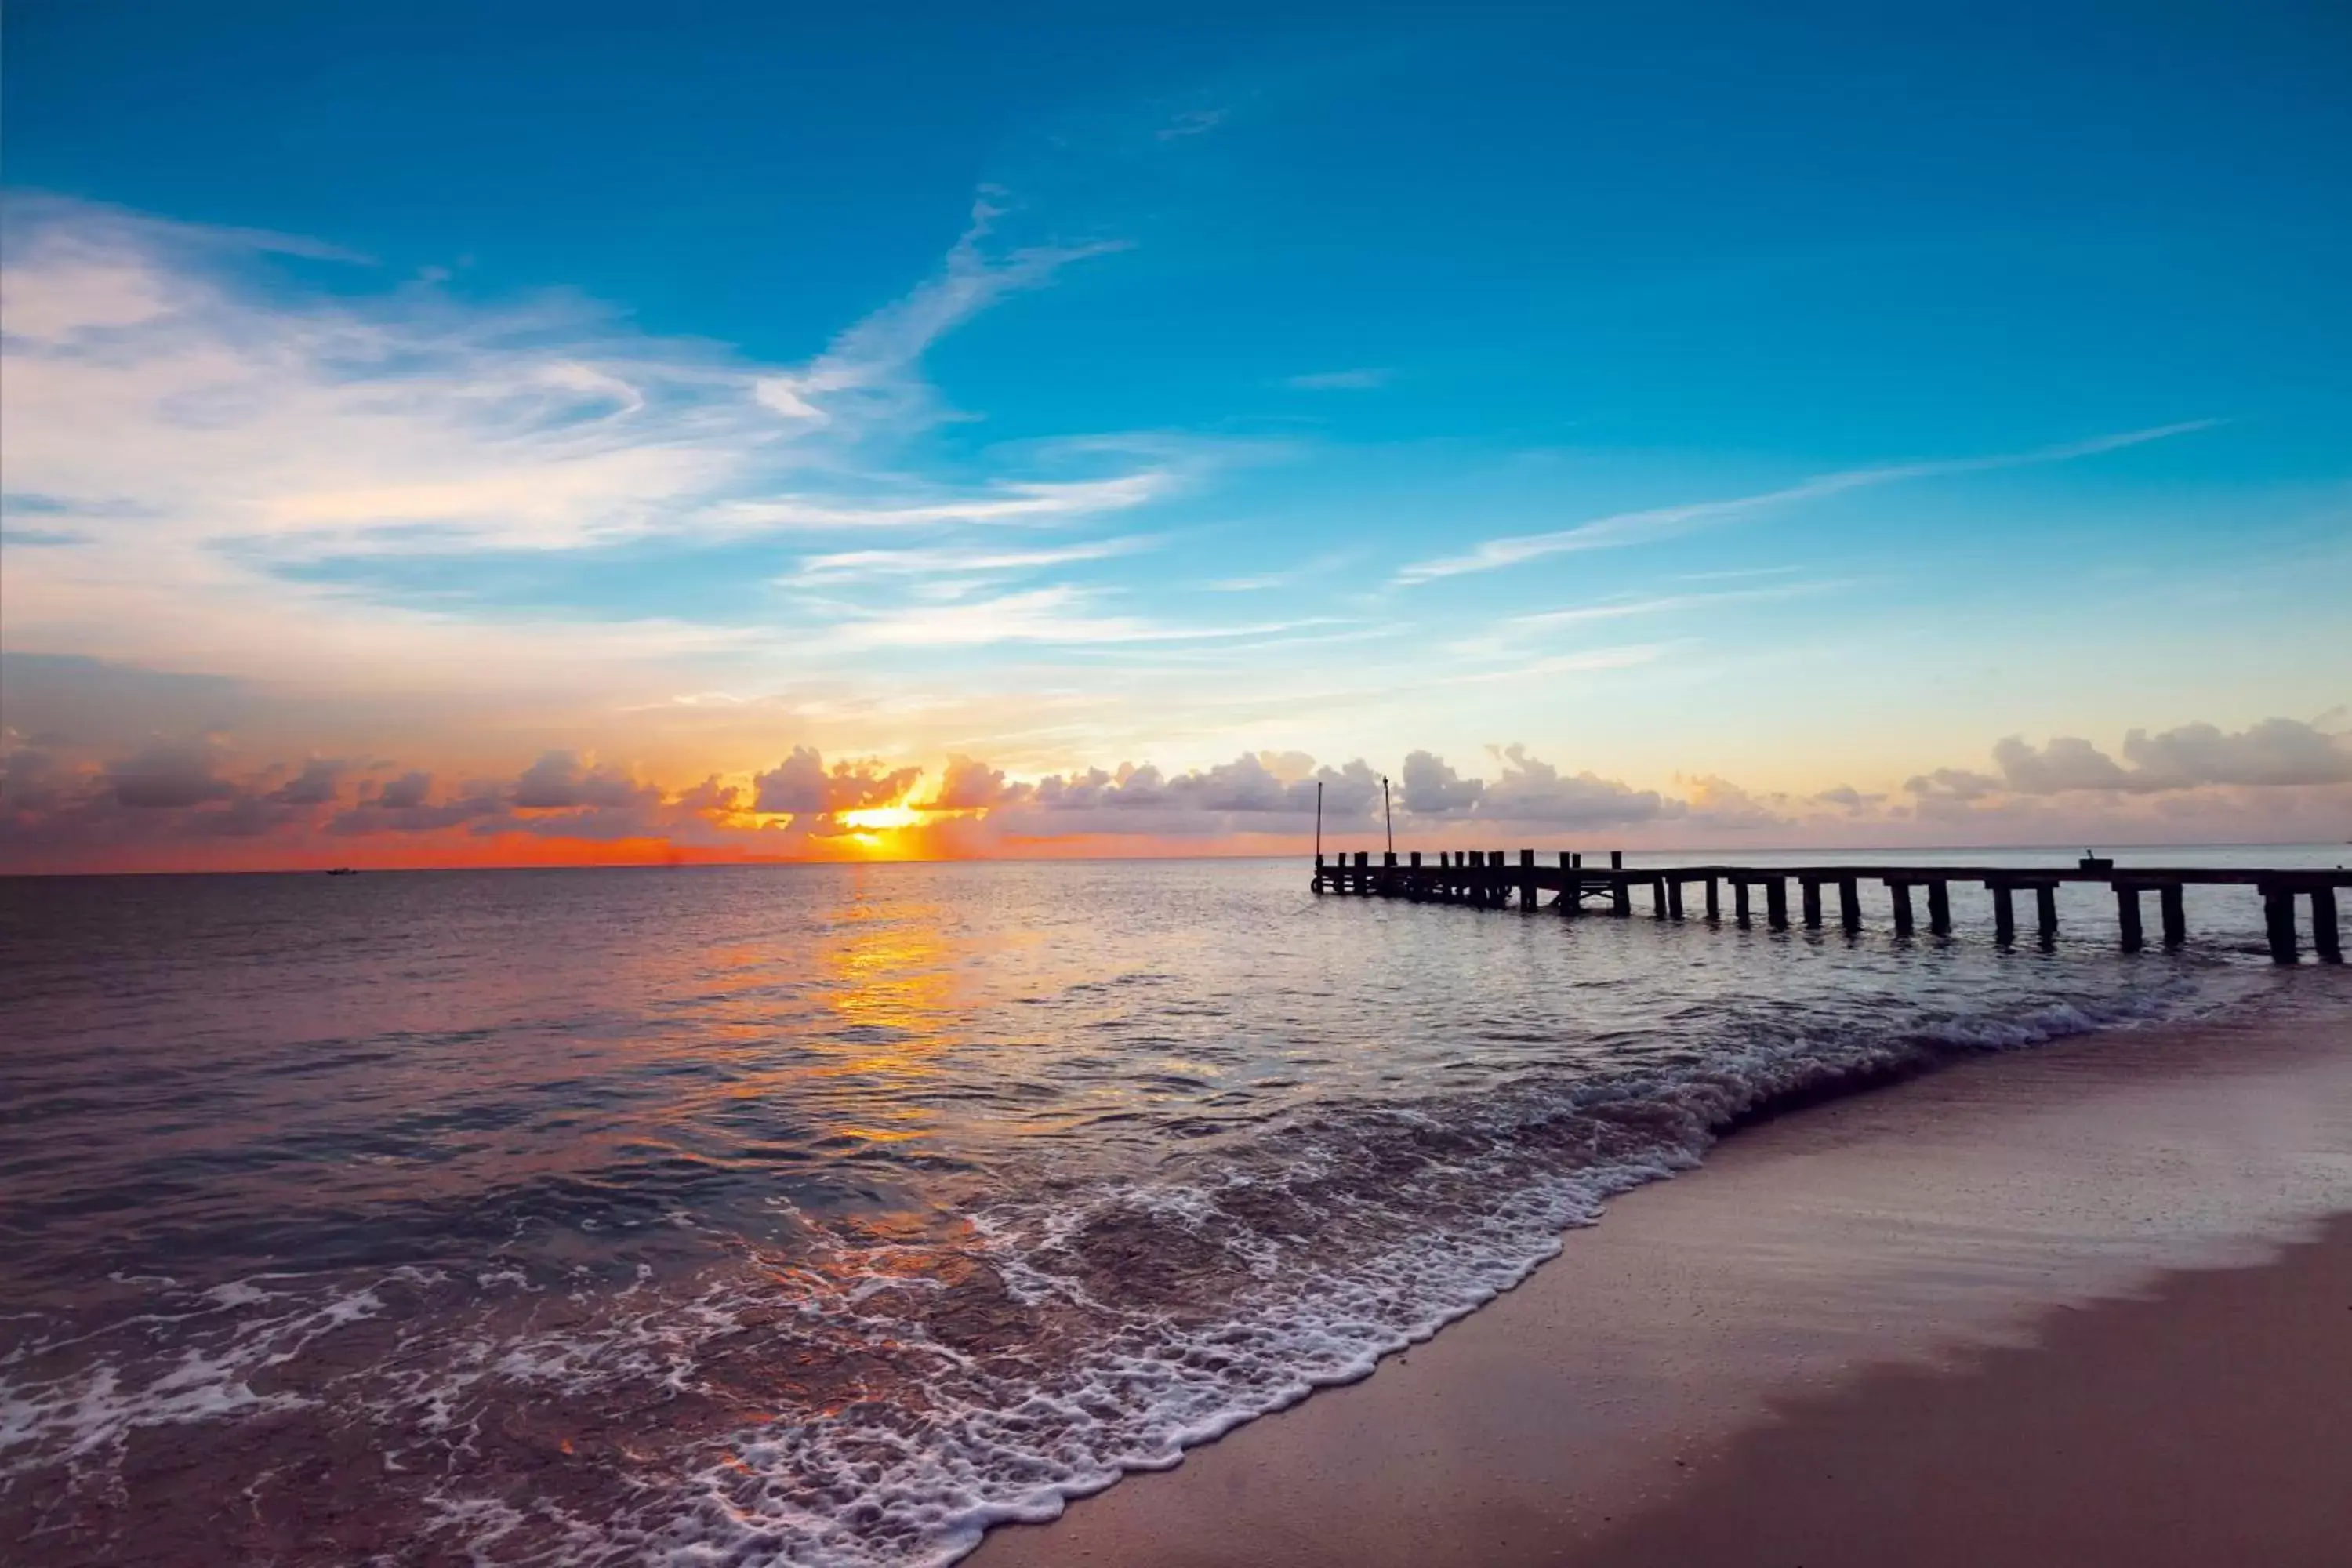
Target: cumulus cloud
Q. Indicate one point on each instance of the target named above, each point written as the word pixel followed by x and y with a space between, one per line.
pixel 166 776
pixel 801 785
pixel 405 792
pixel 1719 804
pixel 563 781
pixel 317 784
pixel 1530 790
pixel 2065 763
pixel 1952 784
pixel 1248 785
pixel 2274 753
pixel 1432 787
pixel 970 785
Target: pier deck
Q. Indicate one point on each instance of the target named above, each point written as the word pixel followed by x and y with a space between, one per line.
pixel 1491 879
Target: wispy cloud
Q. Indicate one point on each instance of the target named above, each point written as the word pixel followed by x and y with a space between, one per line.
pixel 212 424
pixel 1625 656
pixel 864 376
pixel 941 560
pixel 1060 615
pixel 1340 380
pixel 1508 637
pixel 1010 502
pixel 1639 527
pixel 1191 122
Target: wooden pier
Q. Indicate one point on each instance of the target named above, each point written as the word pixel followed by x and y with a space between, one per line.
pixel 1491 879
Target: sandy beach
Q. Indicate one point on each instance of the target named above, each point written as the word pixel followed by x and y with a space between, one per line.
pixel 2091 1303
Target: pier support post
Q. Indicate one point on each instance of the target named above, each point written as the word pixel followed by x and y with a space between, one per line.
pixel 1616 859
pixel 1899 895
pixel 2004 914
pixel 1621 897
pixel 1657 898
pixel 2175 919
pixel 1739 903
pixel 2127 918
pixel 1318 874
pixel 2278 917
pixel 1567 899
pixel 2325 941
pixel 1363 873
pixel 1848 905
pixel 1812 904
pixel 2045 907
pixel 1939 908
pixel 1775 902
pixel 1675 900
pixel 1528 881
pixel 1713 913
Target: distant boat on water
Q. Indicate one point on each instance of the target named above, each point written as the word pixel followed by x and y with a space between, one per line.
pixel 340 871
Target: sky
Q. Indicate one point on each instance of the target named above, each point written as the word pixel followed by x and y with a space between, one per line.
pixel 443 435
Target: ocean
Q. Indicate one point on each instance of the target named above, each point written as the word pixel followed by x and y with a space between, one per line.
pixel 829 1214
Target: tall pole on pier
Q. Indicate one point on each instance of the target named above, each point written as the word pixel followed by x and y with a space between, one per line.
pixel 1388 815
pixel 1318 822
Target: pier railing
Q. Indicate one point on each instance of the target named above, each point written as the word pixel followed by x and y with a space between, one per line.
pixel 1491 879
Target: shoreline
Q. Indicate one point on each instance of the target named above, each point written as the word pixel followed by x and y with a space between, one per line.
pixel 1905 1232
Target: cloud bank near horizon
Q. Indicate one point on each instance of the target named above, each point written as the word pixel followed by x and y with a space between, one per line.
pixel 198 802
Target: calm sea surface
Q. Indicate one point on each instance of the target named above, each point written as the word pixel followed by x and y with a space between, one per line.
pixel 829 1214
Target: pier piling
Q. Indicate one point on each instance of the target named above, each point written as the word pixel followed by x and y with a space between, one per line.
pixel 1775 902
pixel 2325 941
pixel 1714 914
pixel 2127 916
pixel 2045 907
pixel 1939 907
pixel 1848 905
pixel 2175 919
pixel 2278 917
pixel 1812 892
pixel 2004 914
pixel 1898 893
pixel 1740 903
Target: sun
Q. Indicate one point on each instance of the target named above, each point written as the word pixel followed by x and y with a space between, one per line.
pixel 881 819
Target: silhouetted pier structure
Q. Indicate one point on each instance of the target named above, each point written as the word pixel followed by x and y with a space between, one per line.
pixel 1493 879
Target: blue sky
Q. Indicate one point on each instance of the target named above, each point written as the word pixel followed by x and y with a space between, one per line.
pixel 1679 392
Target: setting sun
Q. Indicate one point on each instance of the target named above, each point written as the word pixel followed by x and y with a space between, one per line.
pixel 881 819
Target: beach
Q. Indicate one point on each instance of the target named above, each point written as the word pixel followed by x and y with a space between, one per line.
pixel 2088 1304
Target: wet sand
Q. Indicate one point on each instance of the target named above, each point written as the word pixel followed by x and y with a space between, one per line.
pixel 2087 1304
